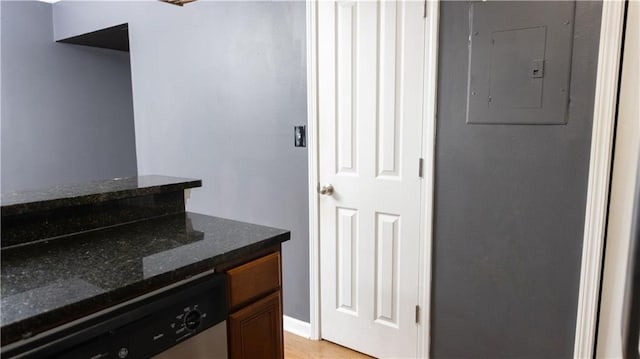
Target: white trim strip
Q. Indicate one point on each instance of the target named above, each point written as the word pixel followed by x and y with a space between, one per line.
pixel 297 327
pixel 312 150
pixel 428 153
pixel 599 171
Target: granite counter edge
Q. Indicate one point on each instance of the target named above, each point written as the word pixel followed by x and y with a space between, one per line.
pixel 22 208
pixel 29 327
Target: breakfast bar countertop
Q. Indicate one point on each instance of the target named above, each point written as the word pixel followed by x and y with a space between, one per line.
pixel 19 202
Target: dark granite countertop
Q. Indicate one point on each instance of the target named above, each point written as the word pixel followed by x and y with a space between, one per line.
pixel 48 283
pixel 91 192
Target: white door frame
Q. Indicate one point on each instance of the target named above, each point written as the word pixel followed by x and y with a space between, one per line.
pixel 312 152
pixel 428 154
pixel 626 159
pixel 604 112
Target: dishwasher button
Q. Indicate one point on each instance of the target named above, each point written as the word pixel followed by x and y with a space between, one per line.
pixel 192 320
pixel 123 352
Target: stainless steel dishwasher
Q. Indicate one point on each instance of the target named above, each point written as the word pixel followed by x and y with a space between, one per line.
pixel 185 320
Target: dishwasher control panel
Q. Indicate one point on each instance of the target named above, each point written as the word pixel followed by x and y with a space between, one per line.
pixel 165 328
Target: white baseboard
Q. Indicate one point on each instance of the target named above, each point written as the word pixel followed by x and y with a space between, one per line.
pixel 297 327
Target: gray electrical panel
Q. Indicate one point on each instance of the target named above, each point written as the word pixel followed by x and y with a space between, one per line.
pixel 519 62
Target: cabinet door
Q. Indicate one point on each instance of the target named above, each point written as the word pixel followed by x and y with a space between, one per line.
pixel 255 331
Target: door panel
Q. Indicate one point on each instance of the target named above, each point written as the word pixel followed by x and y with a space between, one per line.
pixel 345 119
pixel 387 233
pixel 370 93
pixel 347 250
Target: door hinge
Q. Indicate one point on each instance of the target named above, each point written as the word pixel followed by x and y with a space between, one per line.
pixel 420 165
pixel 424 13
pixel 417 314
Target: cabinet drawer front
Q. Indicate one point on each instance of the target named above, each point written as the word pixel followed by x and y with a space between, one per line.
pixel 254 279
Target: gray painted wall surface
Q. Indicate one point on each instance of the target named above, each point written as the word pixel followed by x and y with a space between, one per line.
pixel 509 212
pixel 217 89
pixel 67 113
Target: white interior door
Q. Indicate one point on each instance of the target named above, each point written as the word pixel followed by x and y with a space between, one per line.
pixel 370 97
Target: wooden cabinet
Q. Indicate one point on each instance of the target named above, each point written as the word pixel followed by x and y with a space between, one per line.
pixel 254 326
pixel 255 331
pixel 253 280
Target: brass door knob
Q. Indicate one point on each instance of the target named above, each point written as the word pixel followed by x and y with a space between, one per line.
pixel 326 190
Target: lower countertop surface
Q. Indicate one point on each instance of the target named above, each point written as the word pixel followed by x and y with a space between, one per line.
pixel 52 282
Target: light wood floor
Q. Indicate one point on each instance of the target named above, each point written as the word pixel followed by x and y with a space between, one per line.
pixel 296 347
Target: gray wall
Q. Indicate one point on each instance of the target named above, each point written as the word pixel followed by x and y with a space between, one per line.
pixel 67 113
pixel 509 212
pixel 217 88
